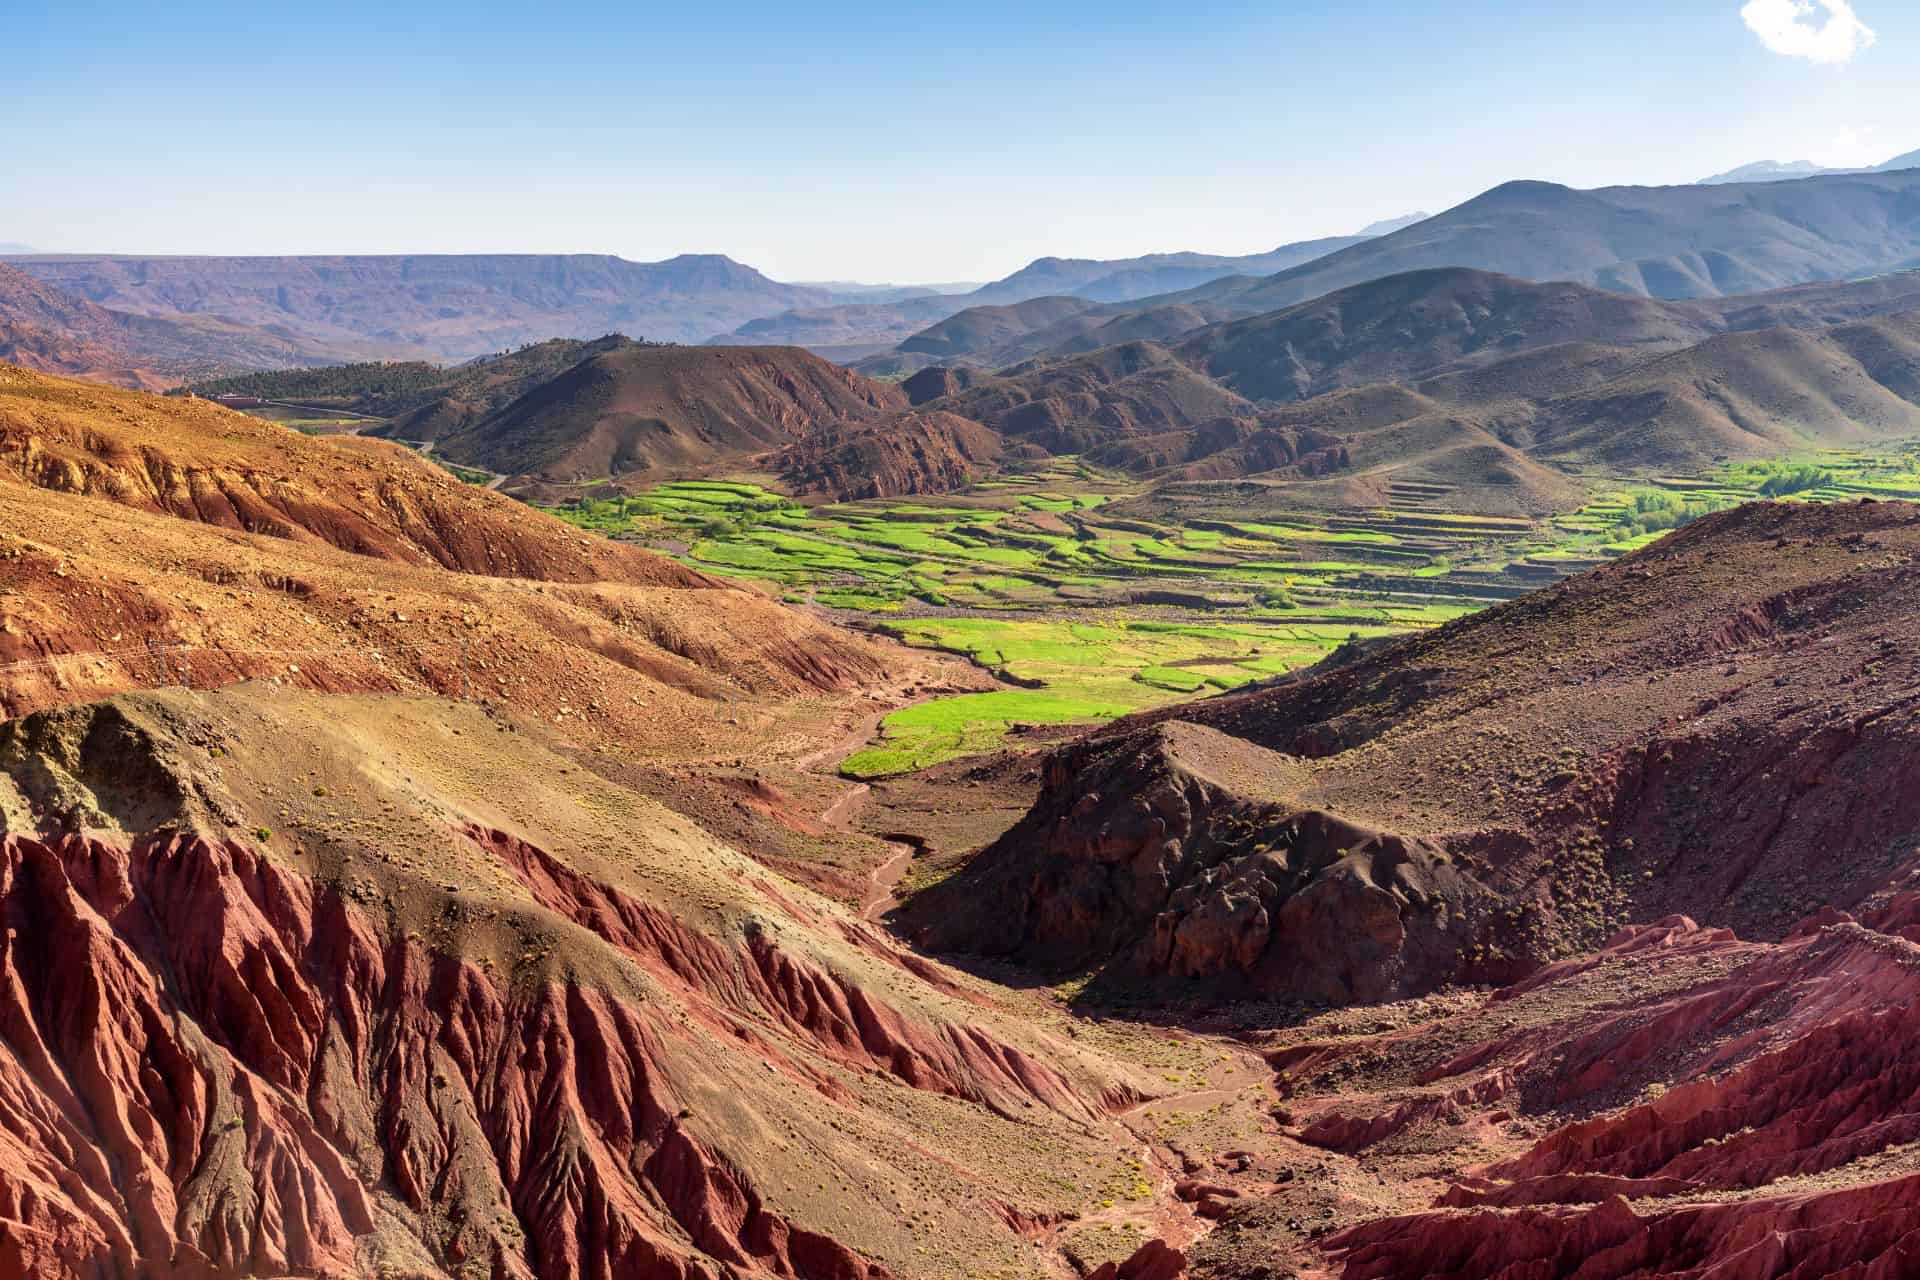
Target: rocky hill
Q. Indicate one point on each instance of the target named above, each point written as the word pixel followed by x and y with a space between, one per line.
pixel 659 411
pixel 421 400
pixel 1693 730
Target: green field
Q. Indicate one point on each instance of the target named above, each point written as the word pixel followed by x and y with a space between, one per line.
pixel 1084 619
pixel 1088 611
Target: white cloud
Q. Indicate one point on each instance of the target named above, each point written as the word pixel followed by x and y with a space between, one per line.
pixel 1798 28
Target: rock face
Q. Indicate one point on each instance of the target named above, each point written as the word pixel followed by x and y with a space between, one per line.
pixel 219 1068
pixel 1182 852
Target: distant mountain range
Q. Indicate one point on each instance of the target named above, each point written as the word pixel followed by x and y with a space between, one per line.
pixel 1491 386
pixel 1788 170
pixel 459 306
pixel 854 289
pixel 849 332
pixel 1662 242
pixel 453 305
pixel 50 330
pixel 243 314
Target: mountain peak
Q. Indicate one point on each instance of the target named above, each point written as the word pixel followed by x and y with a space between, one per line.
pixel 1387 226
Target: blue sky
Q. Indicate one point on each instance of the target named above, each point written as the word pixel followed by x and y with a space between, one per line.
pixel 893 142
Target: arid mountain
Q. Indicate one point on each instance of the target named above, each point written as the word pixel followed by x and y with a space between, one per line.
pixel 1744 395
pixel 196 461
pixel 1468 378
pixel 1410 326
pixel 43 328
pixel 994 339
pixel 655 411
pixel 1662 242
pixel 857 325
pixel 454 306
pixel 1123 279
pixel 1072 406
pixel 1787 171
pixel 990 327
pixel 423 401
pixel 854 332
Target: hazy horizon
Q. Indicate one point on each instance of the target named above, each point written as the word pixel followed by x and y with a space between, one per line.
pixel 857 143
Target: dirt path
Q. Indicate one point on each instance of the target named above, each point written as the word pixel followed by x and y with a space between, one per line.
pixel 840 748
pixel 886 878
pixel 840 812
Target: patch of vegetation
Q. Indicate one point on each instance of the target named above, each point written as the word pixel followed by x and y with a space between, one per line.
pixel 1094 610
pixel 379 389
pixel 466 475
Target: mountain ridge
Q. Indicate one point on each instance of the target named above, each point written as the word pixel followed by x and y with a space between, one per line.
pixel 46 328
pixel 456 305
pixel 1675 243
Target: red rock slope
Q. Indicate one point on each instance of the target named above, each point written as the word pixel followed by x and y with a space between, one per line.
pixel 1751 1113
pixel 349 986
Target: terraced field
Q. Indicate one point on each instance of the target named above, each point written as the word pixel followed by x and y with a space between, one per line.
pixel 1088 610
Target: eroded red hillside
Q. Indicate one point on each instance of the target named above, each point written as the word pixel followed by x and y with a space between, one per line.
pixel 357 986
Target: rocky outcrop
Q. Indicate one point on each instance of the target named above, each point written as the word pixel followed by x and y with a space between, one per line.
pixel 1869 1231
pixel 1154 1260
pixel 940 380
pixel 1181 852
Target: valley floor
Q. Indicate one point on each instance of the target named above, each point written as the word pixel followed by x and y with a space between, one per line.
pixel 1090 598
